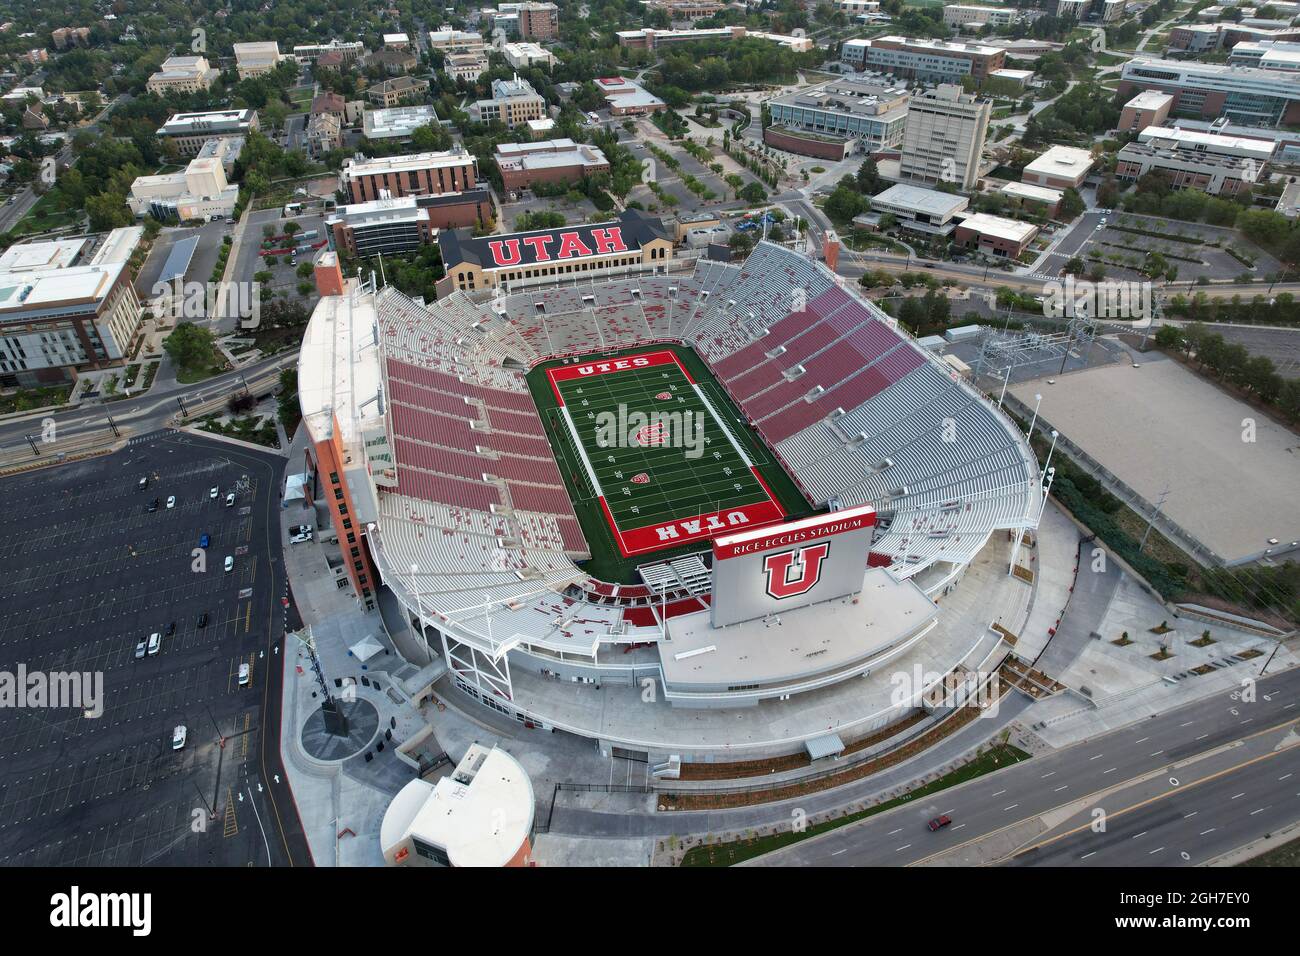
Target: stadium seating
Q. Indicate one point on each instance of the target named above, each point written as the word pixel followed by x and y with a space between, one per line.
pixel 852 407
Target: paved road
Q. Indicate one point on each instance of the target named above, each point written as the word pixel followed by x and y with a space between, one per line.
pixel 146 413
pixel 1218 805
pixel 1019 796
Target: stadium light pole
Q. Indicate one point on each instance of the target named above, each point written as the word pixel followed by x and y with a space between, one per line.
pixel 1038 400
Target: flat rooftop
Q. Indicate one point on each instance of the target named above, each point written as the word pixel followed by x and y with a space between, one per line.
pixel 1013 230
pixel 1199 140
pixel 397 121
pixel 808 641
pixel 338 364
pixel 414 161
pixel 918 199
pixel 939 46
pixel 1030 191
pixel 1066 161
pixel 1161 426
pixel 23 291
pixel 39 256
pixel 1149 100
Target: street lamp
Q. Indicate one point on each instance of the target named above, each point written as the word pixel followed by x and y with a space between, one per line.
pixel 1038 400
pixel 1005 380
pixel 1047 466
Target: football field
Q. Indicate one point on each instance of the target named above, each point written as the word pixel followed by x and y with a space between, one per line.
pixel 660 459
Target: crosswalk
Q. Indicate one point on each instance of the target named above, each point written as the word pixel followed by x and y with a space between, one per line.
pixel 146 438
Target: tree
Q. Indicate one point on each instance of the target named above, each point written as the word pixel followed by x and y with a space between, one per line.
pixel 752 193
pixel 190 346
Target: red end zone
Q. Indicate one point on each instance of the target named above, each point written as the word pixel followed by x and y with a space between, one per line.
pixel 566 373
pixel 679 531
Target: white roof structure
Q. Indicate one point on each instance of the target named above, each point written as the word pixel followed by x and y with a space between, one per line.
pixel 1218 143
pixel 397 122
pixel 338 366
pixel 1030 191
pixel 480 815
pixel 920 200
pixel 1066 162
pixel 40 256
pixel 999 227
pixel 400 164
pixel 1149 100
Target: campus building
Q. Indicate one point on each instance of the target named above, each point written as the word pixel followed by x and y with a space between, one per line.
pixel 849 114
pixel 191 131
pixel 480 815
pixel 520 56
pixel 447 40
pixel 347 51
pixel 257 59
pixel 1245 95
pixel 652 39
pixel 528 21
pixel 514 102
pixel 465 66
pixel 396 91
pixel 968 17
pixel 924 60
pixel 1148 108
pixel 397 123
pixel 551 161
pixel 1277 55
pixel 688 9
pixel 386 226
pixel 628 98
pixel 200 191
pixel 1186 166
pixel 1060 167
pixel 944 137
pixel 417 174
pixel 182 74
pixel 995 235
pixel 926 211
pixel 67 305
pixel 634 242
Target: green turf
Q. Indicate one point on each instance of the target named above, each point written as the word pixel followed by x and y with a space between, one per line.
pixel 684 480
pixel 606 562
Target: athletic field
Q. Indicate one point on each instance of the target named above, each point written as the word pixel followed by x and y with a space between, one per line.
pixel 654 451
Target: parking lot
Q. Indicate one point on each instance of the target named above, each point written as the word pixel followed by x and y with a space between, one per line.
pixel 92 572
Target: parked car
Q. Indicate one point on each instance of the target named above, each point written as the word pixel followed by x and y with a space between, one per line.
pixel 204 541
pixel 938 823
pixel 203 620
pixel 178 737
pixel 140 650
pixel 230 499
pixel 155 643
pixel 243 675
pixel 171 502
pixel 171 629
pixel 300 537
pixel 213 492
pixel 230 562
pixel 153 505
pixel 144 483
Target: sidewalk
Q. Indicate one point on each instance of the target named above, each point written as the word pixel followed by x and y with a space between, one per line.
pixel 347 796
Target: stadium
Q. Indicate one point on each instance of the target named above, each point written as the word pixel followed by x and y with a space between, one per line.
pixel 684 508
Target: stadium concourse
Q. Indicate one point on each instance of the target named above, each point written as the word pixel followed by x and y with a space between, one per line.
pixel 449 477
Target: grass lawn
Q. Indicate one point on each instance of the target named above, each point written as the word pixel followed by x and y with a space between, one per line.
pixel 51 211
pixel 1288 854
pixel 647 483
pixel 727 854
pixel 26 399
pixel 188 374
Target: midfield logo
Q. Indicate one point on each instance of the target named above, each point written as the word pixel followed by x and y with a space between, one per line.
pixel 664 396
pixel 648 435
pixel 641 479
pixel 791 573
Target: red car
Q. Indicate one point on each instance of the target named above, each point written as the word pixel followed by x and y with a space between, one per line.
pixel 939 823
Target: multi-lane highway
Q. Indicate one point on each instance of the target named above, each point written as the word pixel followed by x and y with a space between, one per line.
pixel 1177 789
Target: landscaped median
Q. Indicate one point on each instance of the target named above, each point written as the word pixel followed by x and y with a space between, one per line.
pixel 737 851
